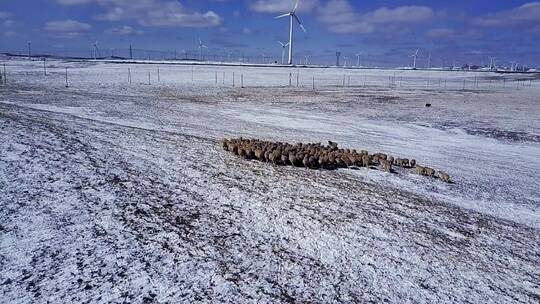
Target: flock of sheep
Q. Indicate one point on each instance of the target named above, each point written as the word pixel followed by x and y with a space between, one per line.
pixel 316 155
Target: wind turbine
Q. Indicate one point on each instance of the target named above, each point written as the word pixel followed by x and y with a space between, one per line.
pixel 201 46
pixel 283 47
pixel 491 63
pixel 358 59
pixel 292 16
pixel 415 57
pixel 345 61
pixel 307 59
pixel 429 61
pixel 95 49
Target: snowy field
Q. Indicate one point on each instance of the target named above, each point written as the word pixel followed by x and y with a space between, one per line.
pixel 112 192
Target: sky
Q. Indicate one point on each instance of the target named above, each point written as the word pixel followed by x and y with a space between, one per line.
pixel 382 33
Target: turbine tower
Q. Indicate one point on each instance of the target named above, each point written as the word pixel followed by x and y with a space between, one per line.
pixel 358 59
pixel 293 17
pixel 95 50
pixel 415 57
pixel 201 46
pixel 491 63
pixel 283 47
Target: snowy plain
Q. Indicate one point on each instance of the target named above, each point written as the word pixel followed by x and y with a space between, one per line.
pixel 119 192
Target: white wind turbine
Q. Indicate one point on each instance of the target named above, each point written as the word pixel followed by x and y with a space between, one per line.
pixel 95 49
pixel 358 59
pixel 201 46
pixel 292 16
pixel 415 57
pixel 283 47
pixel 491 63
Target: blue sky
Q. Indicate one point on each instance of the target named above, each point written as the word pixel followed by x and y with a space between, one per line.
pixel 385 32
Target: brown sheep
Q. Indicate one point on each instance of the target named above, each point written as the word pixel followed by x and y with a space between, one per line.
pixel 259 154
pixel 420 170
pixel 305 161
pixel 386 165
pixel 284 159
pixel 412 163
pixel 443 176
pixel 429 172
pixel 366 160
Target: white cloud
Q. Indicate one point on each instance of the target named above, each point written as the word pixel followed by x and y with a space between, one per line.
pixel 67 28
pixel 340 17
pixel 124 30
pixel 281 6
pixel 403 14
pixel 8 23
pixel 151 12
pixel 441 33
pixel 9 34
pixel 525 14
pixel 4 15
pixel 74 2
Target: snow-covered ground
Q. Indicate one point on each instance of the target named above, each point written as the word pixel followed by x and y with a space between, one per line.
pixel 118 192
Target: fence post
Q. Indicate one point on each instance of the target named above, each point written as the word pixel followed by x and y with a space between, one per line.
pixel 223 79
pixel 290 79
pixel 233 79
pixel 216 76
pixel 129 75
pixel 44 67
pixel 313 83
pixel 148 78
pixel 158 79
pixel 242 80
pixel 5 74
pixel 192 73
pixel 67 85
pixel 297 79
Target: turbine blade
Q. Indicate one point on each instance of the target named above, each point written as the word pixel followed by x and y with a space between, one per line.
pixel 300 23
pixel 295 6
pixel 281 43
pixel 281 16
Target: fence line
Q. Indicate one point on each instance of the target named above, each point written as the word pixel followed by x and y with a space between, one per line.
pixel 354 79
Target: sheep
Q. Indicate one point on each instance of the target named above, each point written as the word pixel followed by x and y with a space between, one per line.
pixel 405 163
pixel 386 165
pixel 366 161
pixel 315 155
pixel 443 176
pixel 259 154
pixel 284 159
pixel 429 172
